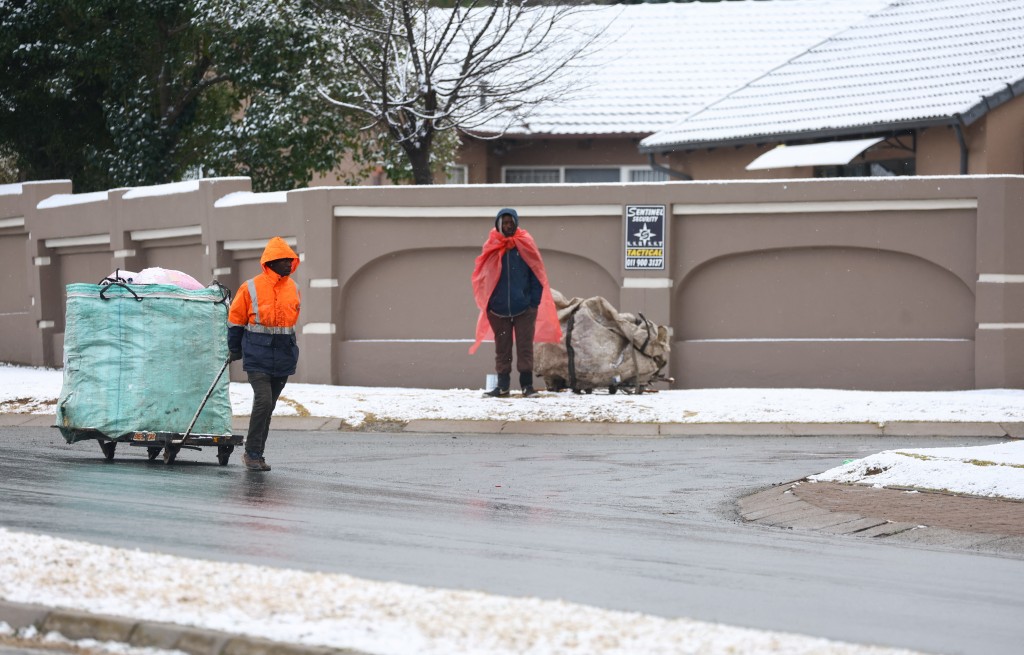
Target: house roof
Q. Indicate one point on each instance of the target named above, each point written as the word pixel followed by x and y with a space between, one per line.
pixel 911 64
pixel 657 63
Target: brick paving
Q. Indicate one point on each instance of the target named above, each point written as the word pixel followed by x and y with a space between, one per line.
pixel 961 513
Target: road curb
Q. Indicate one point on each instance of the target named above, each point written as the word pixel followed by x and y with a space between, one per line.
pixel 76 625
pixel 990 429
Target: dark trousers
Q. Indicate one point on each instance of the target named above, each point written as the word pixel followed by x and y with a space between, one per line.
pixel 266 389
pixel 509 329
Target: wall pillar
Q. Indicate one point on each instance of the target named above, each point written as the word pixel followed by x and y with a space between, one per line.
pixel 44 276
pixel 313 220
pixel 999 308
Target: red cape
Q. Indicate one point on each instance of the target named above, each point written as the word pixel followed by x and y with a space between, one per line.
pixel 485 278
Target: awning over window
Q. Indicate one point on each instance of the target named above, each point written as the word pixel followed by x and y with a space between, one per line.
pixel 831 153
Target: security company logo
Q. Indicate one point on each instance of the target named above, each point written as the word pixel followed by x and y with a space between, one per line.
pixel 645 237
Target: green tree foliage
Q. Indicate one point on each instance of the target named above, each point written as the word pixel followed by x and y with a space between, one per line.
pixel 116 93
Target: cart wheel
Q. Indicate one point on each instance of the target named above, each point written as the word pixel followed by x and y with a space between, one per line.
pixel 612 389
pixel 588 391
pixel 224 454
pixel 108 449
pixel 170 452
pixel 152 453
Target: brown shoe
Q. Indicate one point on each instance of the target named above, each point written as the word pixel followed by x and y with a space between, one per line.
pixel 251 463
pixel 263 465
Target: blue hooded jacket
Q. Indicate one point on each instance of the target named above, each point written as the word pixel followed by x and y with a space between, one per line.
pixel 518 289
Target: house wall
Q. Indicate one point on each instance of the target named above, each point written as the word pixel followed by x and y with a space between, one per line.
pixel 938 152
pixel 717 163
pixel 488 158
pixel 909 283
pixel 995 144
pixel 473 154
pixel 1002 132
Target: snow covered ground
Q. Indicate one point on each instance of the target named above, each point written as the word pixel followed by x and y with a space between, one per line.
pixel 340 611
pixel 390 618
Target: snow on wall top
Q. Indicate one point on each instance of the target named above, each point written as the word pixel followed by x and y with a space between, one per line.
pixel 67 199
pixel 239 198
pixel 188 186
pixel 915 60
pixel 657 63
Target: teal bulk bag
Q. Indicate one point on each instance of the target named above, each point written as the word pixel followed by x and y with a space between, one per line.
pixel 141 357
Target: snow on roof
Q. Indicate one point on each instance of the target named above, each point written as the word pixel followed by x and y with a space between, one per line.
pixel 660 62
pixel 10 189
pixel 914 62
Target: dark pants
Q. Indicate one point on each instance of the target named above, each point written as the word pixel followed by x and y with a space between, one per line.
pixel 266 390
pixel 509 329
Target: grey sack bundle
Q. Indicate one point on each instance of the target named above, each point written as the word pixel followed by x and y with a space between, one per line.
pixel 601 348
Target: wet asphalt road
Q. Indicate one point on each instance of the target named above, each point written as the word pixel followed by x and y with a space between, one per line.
pixel 641 524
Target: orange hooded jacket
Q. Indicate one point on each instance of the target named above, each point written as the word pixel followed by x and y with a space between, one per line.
pixel 264 330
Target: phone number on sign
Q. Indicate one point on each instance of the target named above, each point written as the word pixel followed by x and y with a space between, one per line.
pixel 644 263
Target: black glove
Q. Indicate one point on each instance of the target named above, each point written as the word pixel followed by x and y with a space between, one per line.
pixel 235 356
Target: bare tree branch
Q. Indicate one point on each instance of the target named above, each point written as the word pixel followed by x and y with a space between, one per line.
pixel 481 67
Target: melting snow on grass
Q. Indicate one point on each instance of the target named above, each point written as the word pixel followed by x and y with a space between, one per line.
pixel 996 470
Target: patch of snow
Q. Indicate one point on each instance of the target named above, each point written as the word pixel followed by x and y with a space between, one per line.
pixel 66 199
pixel 187 186
pixel 249 198
pixel 340 611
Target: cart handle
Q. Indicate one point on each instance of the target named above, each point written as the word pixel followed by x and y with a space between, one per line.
pixel 209 393
pixel 122 285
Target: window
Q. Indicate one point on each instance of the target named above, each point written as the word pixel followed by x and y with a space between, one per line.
pixel 532 175
pixel 882 168
pixel 457 175
pixel 581 174
pixel 647 175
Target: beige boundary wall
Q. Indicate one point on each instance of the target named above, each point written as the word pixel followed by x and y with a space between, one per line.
pixel 905 283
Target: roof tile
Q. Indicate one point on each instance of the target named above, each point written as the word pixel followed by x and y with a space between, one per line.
pixel 912 61
pixel 661 62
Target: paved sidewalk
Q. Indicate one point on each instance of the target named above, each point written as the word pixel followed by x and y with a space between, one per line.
pixel 989 525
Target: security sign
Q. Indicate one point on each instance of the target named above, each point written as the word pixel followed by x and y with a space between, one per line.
pixel 645 237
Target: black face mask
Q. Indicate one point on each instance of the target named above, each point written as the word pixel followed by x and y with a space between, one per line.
pixel 282 267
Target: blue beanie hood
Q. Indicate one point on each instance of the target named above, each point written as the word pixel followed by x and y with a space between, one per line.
pixel 501 212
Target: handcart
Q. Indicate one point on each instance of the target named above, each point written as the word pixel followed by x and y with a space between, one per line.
pixel 126 379
pixel 170 443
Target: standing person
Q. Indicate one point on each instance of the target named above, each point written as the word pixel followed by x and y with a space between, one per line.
pixel 511 289
pixel 261 332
